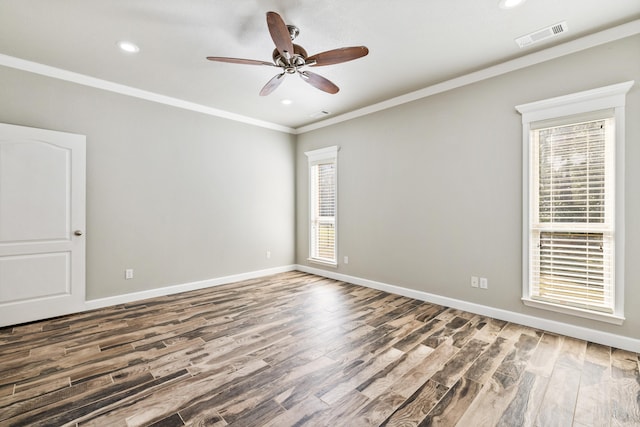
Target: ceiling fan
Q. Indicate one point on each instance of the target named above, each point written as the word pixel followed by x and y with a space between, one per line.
pixel 292 58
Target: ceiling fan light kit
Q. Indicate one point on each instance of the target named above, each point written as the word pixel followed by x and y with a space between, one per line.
pixel 292 58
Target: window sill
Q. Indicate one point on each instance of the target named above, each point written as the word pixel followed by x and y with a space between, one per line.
pixel 593 315
pixel 322 262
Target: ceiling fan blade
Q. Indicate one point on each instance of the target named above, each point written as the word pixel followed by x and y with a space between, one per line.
pixel 280 35
pixel 319 82
pixel 239 61
pixel 272 84
pixel 337 56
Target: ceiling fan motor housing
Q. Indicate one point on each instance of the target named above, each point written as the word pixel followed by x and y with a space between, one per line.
pixel 298 59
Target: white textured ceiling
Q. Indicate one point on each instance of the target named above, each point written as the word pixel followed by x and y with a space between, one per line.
pixel 413 44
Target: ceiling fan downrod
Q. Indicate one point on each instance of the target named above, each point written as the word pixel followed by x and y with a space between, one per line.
pixel 293 31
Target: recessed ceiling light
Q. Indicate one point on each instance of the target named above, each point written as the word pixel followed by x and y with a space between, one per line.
pixel 128 46
pixel 286 102
pixel 510 4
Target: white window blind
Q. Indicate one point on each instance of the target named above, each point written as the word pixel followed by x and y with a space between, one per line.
pixel 573 203
pixel 323 205
pixel 323 243
pixel 572 229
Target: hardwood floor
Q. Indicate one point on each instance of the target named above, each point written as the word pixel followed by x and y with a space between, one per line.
pixel 297 349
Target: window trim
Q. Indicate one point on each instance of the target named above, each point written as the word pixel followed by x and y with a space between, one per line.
pixel 611 97
pixel 322 155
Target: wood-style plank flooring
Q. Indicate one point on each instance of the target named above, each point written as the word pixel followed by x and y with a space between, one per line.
pixel 296 349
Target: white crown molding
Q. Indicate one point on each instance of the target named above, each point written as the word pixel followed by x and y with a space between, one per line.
pixel 579 332
pixel 82 79
pixel 184 287
pixel 592 40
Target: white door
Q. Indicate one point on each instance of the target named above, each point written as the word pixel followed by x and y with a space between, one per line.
pixel 42 223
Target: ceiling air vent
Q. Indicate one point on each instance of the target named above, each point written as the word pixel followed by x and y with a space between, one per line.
pixel 543 34
pixel 319 114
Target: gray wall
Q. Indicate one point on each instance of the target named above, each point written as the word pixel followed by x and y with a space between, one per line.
pixel 430 192
pixel 178 196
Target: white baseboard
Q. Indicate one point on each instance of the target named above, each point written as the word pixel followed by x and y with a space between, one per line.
pixel 605 338
pixel 175 289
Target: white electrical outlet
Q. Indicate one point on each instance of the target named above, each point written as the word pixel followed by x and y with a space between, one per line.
pixel 268 254
pixel 128 273
pixel 474 281
pixel 484 283
pixel 346 259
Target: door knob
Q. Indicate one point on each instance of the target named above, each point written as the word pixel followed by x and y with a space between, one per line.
pixel 78 233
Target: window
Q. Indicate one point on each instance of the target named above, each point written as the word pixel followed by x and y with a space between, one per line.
pixel 571 218
pixel 323 197
pixel 573 205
